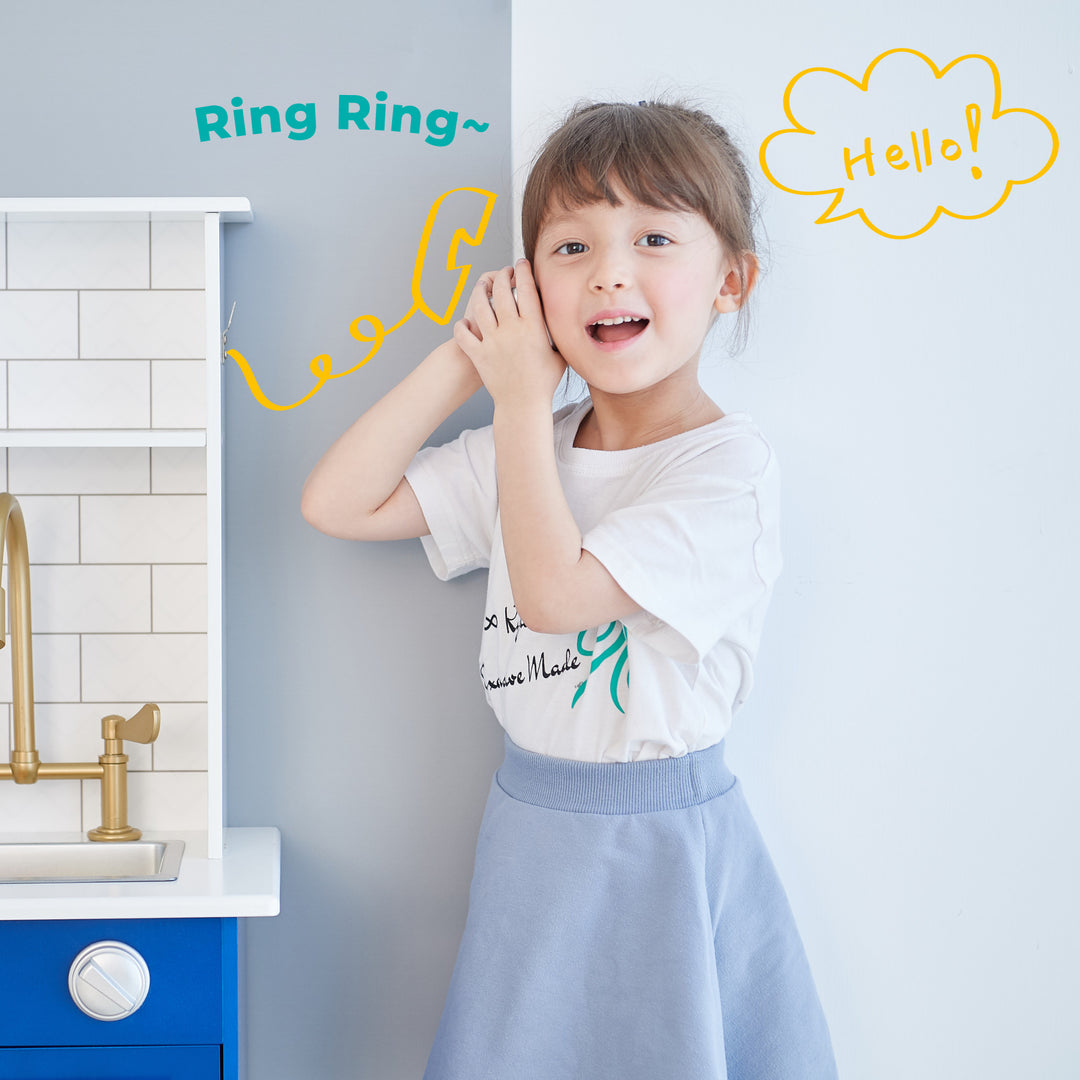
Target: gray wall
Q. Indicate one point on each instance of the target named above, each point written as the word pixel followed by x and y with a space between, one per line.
pixel 354 719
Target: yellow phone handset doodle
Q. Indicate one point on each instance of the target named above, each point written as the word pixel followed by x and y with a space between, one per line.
pixel 322 365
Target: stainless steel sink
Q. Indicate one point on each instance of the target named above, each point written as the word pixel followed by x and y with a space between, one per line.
pixel 136 860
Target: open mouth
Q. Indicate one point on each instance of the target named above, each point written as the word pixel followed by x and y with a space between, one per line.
pixel 621 328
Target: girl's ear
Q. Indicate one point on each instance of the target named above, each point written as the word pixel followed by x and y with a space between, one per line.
pixel 739 279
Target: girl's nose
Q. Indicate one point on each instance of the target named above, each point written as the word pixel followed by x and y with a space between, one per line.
pixel 609 273
pixel 606 284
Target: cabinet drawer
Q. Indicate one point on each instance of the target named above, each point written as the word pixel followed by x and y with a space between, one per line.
pixel 112 1063
pixel 183 1004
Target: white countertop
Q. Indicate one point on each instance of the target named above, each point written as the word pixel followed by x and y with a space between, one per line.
pixel 244 883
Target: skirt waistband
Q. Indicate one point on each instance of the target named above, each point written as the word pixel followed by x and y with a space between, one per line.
pixel 631 787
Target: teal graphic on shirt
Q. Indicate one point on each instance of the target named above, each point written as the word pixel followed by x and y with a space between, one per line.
pixel 617 649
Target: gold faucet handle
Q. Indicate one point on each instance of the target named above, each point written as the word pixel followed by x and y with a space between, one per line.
pixel 142 727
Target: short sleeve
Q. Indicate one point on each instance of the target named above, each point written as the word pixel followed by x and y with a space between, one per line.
pixel 456 488
pixel 698 550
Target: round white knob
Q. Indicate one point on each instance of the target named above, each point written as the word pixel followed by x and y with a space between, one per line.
pixel 108 980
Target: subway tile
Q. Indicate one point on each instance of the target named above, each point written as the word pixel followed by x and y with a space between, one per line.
pixel 166 802
pixel 178 394
pixel 121 325
pixel 78 255
pixel 79 394
pixel 39 325
pixel 3 393
pixel 71 731
pixel 3 251
pixel 47 806
pixel 4 468
pixel 144 528
pixel 52 527
pixel 178 470
pixel 91 599
pixel 181 743
pixel 147 667
pixel 56 668
pixel 65 470
pixel 177 258
pixel 179 598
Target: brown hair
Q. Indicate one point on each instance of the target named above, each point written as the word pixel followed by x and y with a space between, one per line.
pixel 665 155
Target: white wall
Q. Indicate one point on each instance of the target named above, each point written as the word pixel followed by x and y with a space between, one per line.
pixel 909 749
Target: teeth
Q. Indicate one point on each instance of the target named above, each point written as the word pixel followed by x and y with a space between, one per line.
pixel 616 322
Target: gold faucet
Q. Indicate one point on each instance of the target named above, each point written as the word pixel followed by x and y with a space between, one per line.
pixel 26 767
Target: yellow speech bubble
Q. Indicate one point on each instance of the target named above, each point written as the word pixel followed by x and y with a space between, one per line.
pixel 906 143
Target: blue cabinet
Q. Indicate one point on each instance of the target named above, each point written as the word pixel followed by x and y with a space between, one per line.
pixel 186 1029
pixel 112 1063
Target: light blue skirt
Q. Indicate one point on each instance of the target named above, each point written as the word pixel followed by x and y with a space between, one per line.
pixel 626 923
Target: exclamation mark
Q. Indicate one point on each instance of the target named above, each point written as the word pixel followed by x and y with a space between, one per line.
pixel 973 113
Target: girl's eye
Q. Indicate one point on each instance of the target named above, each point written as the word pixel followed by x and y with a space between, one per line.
pixel 654 240
pixel 571 247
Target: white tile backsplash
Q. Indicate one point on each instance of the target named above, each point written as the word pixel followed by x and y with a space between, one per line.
pixel 177 257
pixel 95 470
pixel 39 325
pixel 118 325
pixel 144 528
pixel 182 741
pixel 125 667
pixel 91 599
pixel 52 529
pixel 47 806
pixel 56 668
pixel 78 255
pixel 167 802
pixel 79 394
pixel 102 325
pixel 178 470
pixel 178 394
pixel 179 604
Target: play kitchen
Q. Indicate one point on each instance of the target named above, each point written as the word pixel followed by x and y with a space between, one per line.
pixel 122 893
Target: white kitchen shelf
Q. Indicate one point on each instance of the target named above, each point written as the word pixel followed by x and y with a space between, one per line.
pixel 230 208
pixel 213 212
pixel 103 437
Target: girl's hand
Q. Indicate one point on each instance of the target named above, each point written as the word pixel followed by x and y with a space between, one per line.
pixel 507 341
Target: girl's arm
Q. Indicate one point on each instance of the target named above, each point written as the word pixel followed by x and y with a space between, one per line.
pixel 357 491
pixel 558 586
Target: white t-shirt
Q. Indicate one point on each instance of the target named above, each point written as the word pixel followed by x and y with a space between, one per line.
pixel 687 526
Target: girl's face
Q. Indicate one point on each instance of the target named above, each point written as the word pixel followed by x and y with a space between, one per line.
pixel 629 291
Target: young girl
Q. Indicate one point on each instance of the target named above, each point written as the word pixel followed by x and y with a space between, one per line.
pixel 625 921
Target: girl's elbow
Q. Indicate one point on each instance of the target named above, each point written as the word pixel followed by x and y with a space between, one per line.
pixel 564 604
pixel 312 510
pixel 543 616
pixel 345 518
pixel 319 512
